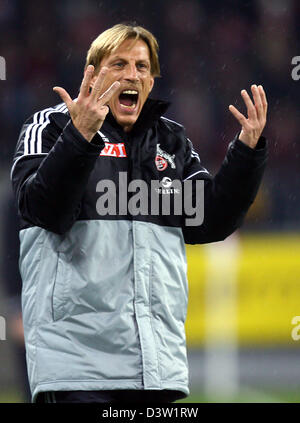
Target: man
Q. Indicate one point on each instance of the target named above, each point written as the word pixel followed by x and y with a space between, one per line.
pixel 104 288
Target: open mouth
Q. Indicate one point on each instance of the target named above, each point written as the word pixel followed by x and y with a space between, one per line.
pixel 128 99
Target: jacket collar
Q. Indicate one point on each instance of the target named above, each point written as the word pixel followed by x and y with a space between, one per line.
pixel 151 112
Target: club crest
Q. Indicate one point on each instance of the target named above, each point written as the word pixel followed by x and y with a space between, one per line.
pixel 163 158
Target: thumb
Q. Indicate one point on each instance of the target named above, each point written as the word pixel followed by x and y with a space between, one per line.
pixel 64 96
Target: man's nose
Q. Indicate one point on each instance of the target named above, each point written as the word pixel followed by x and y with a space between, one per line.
pixel 131 73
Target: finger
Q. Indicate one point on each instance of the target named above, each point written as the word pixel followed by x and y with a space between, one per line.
pixel 104 110
pixel 238 115
pixel 257 101
pixel 107 95
pixel 263 98
pixel 98 86
pixel 64 96
pixel 251 110
pixel 86 82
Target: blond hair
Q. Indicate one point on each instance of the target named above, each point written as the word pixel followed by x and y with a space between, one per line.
pixel 109 40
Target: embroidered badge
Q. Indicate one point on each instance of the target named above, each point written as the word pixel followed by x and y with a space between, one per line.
pixel 163 158
pixel 114 150
pixel 161 163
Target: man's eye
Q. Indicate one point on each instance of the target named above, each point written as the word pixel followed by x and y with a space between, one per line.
pixel 119 65
pixel 142 66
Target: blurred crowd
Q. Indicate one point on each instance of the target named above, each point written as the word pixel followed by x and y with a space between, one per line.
pixel 209 51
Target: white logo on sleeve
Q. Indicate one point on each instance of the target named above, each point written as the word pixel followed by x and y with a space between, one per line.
pixel 166 182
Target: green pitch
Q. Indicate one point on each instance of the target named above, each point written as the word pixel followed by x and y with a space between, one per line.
pixel 247 396
pixel 244 396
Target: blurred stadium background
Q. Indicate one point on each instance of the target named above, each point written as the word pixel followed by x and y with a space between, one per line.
pixel 245 291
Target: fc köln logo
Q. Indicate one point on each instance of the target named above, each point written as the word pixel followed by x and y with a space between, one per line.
pixel 161 163
pixel 163 158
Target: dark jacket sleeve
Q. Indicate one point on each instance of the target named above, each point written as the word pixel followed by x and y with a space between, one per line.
pixel 228 196
pixel 49 187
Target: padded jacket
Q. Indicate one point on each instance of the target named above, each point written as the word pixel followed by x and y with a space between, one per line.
pixel 105 295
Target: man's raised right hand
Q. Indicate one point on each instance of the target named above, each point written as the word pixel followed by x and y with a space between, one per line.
pixel 89 111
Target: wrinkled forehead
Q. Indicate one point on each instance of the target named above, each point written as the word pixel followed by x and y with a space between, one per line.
pixel 135 47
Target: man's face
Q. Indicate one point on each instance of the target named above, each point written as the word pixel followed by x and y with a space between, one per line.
pixel 129 64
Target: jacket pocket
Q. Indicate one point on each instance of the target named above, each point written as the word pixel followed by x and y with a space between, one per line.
pixel 61 287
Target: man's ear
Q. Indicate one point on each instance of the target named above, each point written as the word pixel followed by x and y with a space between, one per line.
pixel 151 84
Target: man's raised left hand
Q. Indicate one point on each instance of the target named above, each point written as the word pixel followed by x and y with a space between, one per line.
pixel 252 126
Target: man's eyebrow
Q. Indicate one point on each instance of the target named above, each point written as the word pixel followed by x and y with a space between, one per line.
pixel 117 58
pixel 112 59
